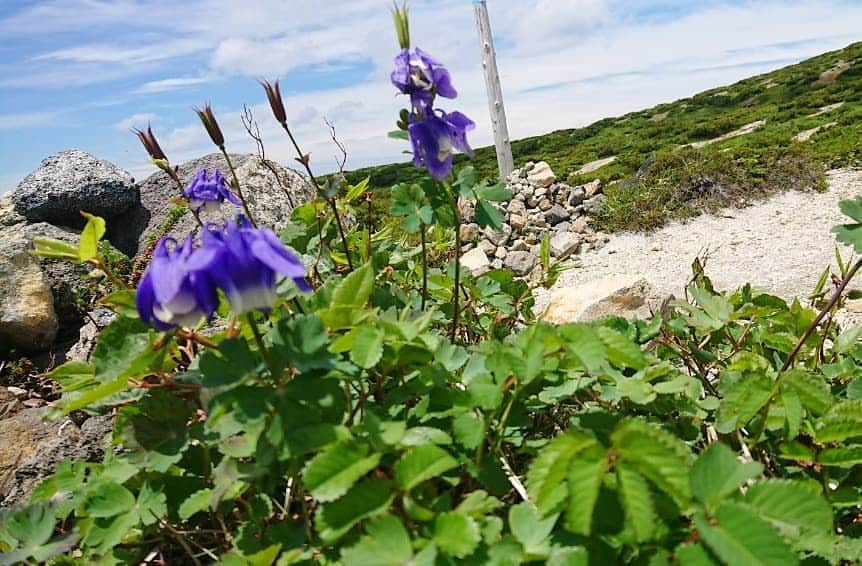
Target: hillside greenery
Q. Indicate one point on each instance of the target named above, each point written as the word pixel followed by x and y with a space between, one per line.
pixel 686 180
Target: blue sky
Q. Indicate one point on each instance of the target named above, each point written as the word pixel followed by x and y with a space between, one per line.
pixel 81 73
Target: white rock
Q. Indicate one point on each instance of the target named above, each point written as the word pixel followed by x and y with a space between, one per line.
pixel 564 244
pixel 627 296
pixel 476 262
pixel 541 175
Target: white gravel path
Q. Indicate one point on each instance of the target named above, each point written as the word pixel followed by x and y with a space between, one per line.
pixel 781 245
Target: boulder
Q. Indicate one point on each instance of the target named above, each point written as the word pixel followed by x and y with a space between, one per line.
pixel 521 263
pixel 476 262
pixel 556 214
pixel 269 197
pixel 31 448
pixel 27 319
pixel 541 175
pixel 8 216
pixel 564 244
pixel 69 182
pixel 626 296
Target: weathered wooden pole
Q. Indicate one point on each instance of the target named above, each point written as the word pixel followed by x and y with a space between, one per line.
pixel 495 92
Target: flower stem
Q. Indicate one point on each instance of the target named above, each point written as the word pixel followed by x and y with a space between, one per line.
pixel 456 292
pixel 303 159
pixel 258 338
pixel 238 187
pixel 424 266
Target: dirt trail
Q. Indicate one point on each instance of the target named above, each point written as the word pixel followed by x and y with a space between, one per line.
pixel 780 245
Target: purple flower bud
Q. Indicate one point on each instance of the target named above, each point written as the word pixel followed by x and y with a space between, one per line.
pixel 150 143
pixel 273 93
pixel 171 292
pixel 422 77
pixel 208 194
pixel 436 136
pixel 244 261
pixel 209 121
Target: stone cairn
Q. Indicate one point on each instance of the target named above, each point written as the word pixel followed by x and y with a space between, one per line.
pixel 540 205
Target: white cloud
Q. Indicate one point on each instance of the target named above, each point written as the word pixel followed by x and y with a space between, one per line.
pixel 140 121
pixel 26 120
pixel 174 83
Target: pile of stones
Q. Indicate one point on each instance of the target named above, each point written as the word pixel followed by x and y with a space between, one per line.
pixel 539 206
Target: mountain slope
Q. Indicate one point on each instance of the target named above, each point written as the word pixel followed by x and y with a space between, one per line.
pixel 782 147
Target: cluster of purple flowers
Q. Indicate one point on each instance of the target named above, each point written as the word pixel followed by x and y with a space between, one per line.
pixel 207 193
pixel 434 134
pixel 180 285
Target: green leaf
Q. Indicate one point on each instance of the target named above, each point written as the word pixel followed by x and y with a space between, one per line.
pixel 813 390
pixel 456 534
pixel 355 289
pixel 93 231
pixel 851 233
pixel 151 505
pixel 367 498
pixel 195 503
pixel 488 215
pixel 583 343
pixel 792 506
pixel 717 473
pixel 584 480
pixel 741 402
pixel 155 428
pixel 122 302
pixel 124 349
pixel 422 463
pixel 841 422
pixel 621 351
pixel 737 536
pixel 386 543
pixel 693 555
pixel 546 477
pixel 355 191
pixel 230 363
pixel 331 473
pixel 660 456
pixel 54 249
pixel 531 531
pixel 409 202
pixel 108 499
pixel 469 429
pixel 637 501
pixel 847 339
pixel 569 556
pixel 367 346
pixel 841 456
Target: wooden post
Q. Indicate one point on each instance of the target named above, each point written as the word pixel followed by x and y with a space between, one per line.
pixel 495 93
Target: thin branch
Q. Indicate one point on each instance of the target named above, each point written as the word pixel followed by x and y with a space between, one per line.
pixel 250 125
pixel 343 159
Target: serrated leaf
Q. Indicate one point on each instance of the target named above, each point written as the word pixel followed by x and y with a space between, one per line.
pixel 355 289
pixel 813 390
pixel 583 343
pixel 487 215
pixel 847 339
pixel 737 536
pixel 367 347
pixel 410 203
pixel 531 531
pixel 469 429
pixel 717 473
pixel 156 429
pixel 456 534
pixel 693 555
pixel 792 506
pixel 841 456
pixel 660 456
pixel 367 498
pixel 385 543
pixel 422 463
pixel 637 501
pixel 331 473
pixel 195 503
pixel 546 476
pixel 621 351
pixel 108 499
pixel 793 411
pixel 584 479
pixel 841 422
pixel 741 402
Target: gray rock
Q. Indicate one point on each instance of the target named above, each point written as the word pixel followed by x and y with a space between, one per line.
pixel 69 182
pixel 564 226
pixel 469 232
pixel 564 244
pixel 89 333
pixel 593 188
pixel 579 226
pixel 517 207
pixel 500 252
pixel 269 202
pixel 541 175
pixel 497 264
pixel 498 237
pixel 517 222
pixel 487 246
pixel 520 263
pixel 577 196
pixel 519 246
pixel 476 262
pixel 556 214
pixel 31 448
pixel 8 216
pixel 594 205
pixel 627 296
pixel 545 204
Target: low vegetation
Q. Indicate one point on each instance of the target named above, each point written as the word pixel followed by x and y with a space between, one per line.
pixel 789 101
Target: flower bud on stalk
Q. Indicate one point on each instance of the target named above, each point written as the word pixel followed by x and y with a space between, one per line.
pixel 150 143
pixel 209 121
pixel 402 24
pixel 273 93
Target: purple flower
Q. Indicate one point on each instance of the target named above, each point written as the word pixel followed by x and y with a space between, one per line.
pixel 243 261
pixel 436 136
pixel 208 194
pixel 422 77
pixel 171 292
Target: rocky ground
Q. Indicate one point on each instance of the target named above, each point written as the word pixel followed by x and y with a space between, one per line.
pixel 781 245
